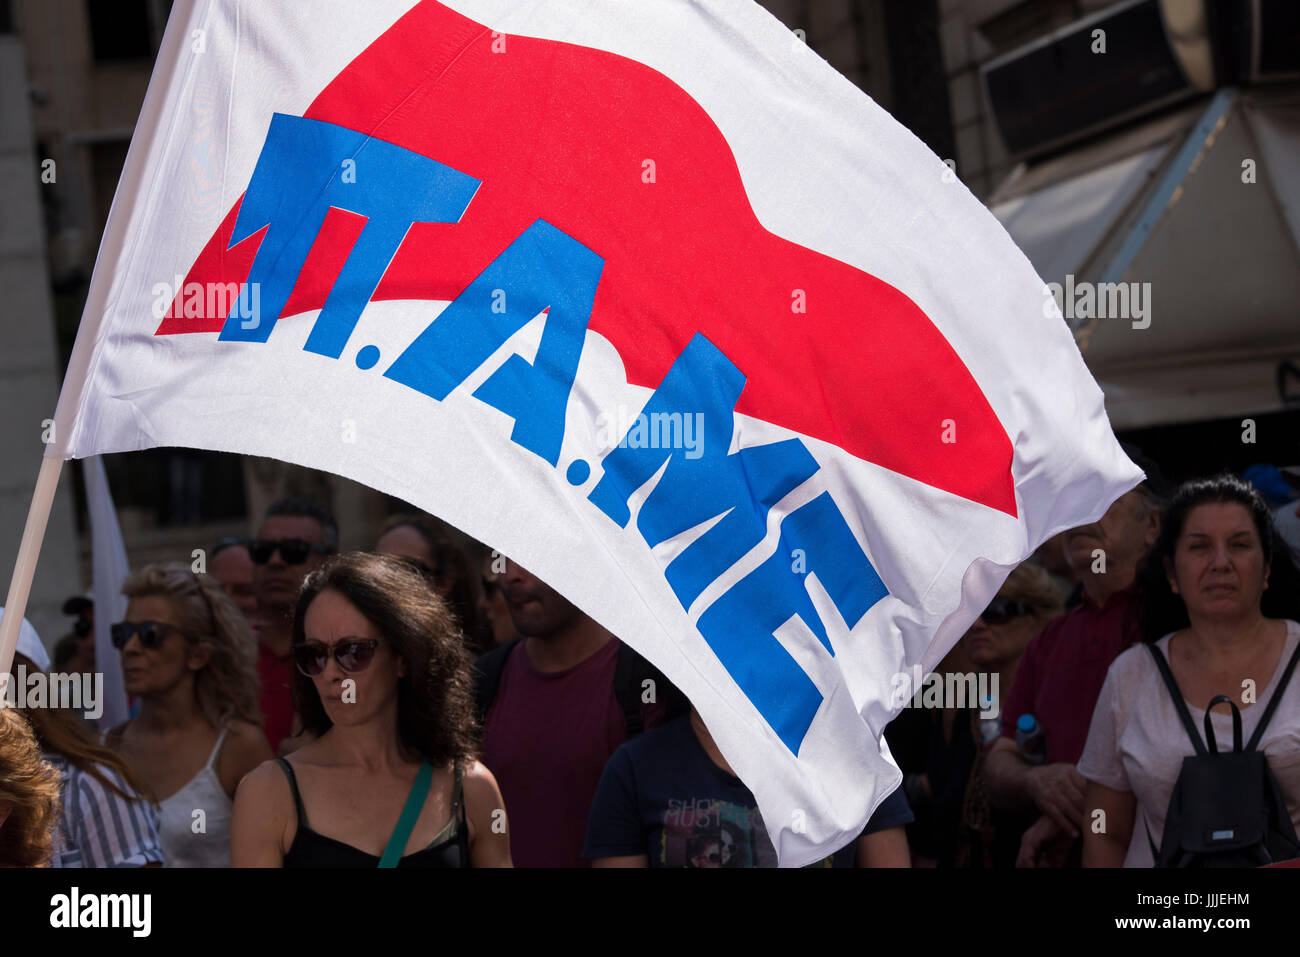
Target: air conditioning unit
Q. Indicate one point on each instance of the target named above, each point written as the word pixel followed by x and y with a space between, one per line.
pixel 1125 61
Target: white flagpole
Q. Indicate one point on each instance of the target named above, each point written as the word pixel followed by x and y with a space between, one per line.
pixel 20 586
pixel 130 185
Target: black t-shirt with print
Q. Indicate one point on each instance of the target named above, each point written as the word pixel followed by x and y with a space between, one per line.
pixel 661 795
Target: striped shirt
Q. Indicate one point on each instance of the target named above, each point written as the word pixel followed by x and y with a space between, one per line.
pixel 99 828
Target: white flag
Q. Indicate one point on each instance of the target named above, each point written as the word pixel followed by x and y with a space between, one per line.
pixel 647 297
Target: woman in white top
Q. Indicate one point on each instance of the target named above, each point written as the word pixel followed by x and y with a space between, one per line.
pixel 189 656
pixel 1220 600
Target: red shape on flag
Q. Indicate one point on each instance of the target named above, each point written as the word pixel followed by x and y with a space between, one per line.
pixel 562 132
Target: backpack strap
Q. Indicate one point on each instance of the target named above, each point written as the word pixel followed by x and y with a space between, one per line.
pixel 1155 851
pixel 628 671
pixel 487 676
pixel 1219 699
pixel 1272 702
pixel 1177 695
pixel 631 670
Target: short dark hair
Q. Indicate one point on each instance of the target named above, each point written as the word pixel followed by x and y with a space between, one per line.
pixel 225 543
pixel 1155 488
pixel 306 508
pixel 451 572
pixel 1162 610
pixel 435 705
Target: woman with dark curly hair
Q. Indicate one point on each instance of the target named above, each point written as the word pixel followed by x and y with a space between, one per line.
pixel 1221 606
pixel 29 796
pixel 391 779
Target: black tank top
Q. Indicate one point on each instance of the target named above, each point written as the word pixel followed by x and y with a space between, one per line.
pixel 309 849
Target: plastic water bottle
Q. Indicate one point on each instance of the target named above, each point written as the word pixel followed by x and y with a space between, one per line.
pixel 1029 738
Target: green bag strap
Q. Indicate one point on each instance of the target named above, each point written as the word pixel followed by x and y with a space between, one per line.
pixel 410 813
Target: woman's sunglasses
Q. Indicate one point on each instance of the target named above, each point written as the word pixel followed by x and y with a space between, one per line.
pixel 1002 609
pixel 353 655
pixel 294 551
pixel 152 633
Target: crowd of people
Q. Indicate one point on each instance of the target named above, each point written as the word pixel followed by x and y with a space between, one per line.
pixel 417 705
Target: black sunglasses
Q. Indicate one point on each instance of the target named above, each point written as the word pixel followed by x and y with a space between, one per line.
pixel 152 633
pixel 294 551
pixel 354 655
pixel 1002 609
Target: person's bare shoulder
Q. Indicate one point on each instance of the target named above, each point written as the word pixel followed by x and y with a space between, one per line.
pixel 1133 664
pixel 265 787
pixel 261 817
pixel 245 749
pixel 486 813
pixel 248 732
pixel 480 783
pixel 483 802
pixel 249 742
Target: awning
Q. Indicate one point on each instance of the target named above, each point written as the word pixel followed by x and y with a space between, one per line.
pixel 1168 204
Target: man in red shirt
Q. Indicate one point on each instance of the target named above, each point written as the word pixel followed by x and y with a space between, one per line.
pixel 1063 668
pixel 296 536
pixel 553 721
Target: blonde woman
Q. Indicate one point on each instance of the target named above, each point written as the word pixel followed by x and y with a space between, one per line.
pixel 189 657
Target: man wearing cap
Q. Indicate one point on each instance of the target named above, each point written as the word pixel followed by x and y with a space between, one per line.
pixel 29 644
pixel 82 658
pixel 1064 666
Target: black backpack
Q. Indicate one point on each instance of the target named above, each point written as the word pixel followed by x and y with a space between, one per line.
pixel 1226 809
pixel 630 671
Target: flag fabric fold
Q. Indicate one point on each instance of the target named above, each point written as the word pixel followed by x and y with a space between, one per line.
pixel 647 297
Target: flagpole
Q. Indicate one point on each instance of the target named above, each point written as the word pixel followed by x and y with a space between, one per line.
pixel 20 586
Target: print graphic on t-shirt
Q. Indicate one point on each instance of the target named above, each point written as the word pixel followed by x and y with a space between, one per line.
pixel 702 832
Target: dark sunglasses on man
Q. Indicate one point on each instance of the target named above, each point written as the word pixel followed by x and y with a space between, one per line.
pixel 1002 609
pixel 354 655
pixel 294 551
